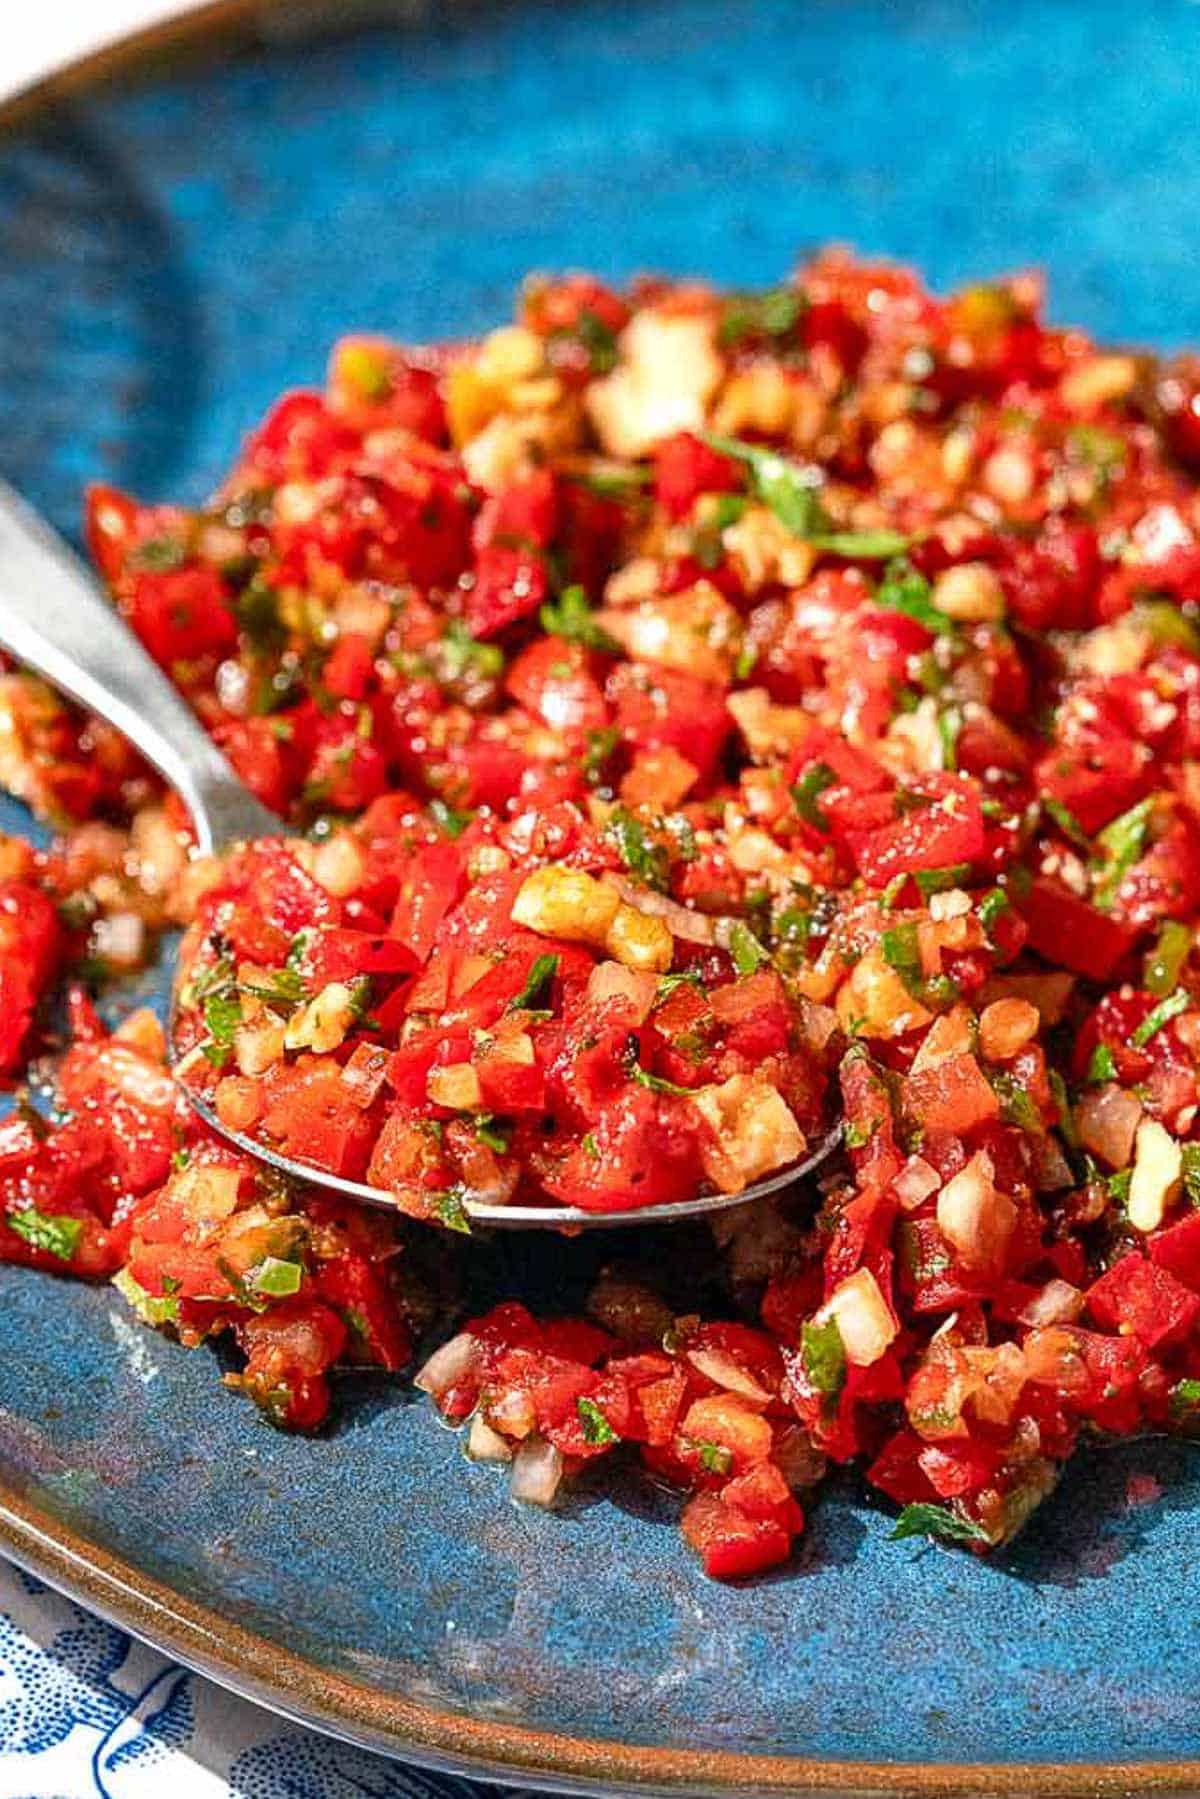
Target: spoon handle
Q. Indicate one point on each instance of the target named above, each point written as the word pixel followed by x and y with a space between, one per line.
pixel 54 619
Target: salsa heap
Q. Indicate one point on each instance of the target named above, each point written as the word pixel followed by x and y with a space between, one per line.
pixel 699 715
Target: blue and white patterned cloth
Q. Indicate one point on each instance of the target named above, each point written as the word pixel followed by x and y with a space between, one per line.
pixel 87 1713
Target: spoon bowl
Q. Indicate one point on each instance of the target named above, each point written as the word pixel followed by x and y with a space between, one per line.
pixel 55 620
pixel 569 1219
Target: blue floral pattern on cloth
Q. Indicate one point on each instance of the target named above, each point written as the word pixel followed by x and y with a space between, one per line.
pixel 87 1713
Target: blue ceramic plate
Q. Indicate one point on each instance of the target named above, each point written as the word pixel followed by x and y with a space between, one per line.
pixel 173 252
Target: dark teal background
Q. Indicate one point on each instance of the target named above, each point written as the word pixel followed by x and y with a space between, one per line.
pixel 169 260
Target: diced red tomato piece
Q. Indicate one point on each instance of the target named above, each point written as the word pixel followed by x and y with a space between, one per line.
pixel 557 681
pixel 898 1470
pixel 181 614
pixel 337 954
pixel 731 1543
pixel 662 708
pixel 510 583
pixel 1143 1297
pixel 947 831
pixel 953 1095
pixel 1071 934
pixel 431 884
pixel 374 385
pixel 1098 781
pixel 524 514
pixel 298 440
pixel 31 944
pixel 1177 1249
pixel 313 1117
pixel 636 1156
pixel 685 467
pixel 348 673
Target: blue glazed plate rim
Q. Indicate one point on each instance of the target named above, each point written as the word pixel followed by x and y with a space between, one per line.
pixel 279 1679
pixel 447 1743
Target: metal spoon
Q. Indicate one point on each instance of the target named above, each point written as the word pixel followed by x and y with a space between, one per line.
pixel 55 620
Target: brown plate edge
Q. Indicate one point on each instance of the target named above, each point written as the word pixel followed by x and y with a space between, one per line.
pixel 297 1689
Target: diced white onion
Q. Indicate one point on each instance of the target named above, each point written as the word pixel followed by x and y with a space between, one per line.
pixel 447 1365
pixel 973 1216
pixel 536 1472
pixel 233 688
pixel 1107 1120
pixel 142 1031
pixel 339 864
pixel 915 1182
pixel 944 906
pixel 120 939
pixel 456 1085
pixel 964 1201
pixel 139 1080
pixel 485 1444
pixel 1057 1303
pixel 159 848
pixel 207 1191
pixel 1157 1176
pixel 692 927
pixel 721 1368
pixel 865 1324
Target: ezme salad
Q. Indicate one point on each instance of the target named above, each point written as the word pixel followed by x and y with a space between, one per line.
pixel 699 715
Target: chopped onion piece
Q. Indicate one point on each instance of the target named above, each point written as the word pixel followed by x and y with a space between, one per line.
pixel 119 939
pixel 447 1365
pixel 142 1031
pixel 339 864
pixel 207 1192
pixel 1157 1176
pixel 973 1216
pixel 865 1324
pixel 536 1472
pixel 693 927
pixel 915 1182
pixel 485 1444
pixel 1106 1121
pixel 1057 1303
pixel 717 1366
pixel 1053 1359
pixel 816 1024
